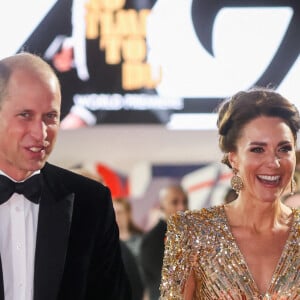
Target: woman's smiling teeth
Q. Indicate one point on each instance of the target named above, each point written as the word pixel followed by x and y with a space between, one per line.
pixel 269 179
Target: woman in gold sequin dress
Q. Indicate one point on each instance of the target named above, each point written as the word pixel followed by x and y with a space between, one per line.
pixel 249 248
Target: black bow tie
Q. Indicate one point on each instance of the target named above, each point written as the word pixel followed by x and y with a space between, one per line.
pixel 30 188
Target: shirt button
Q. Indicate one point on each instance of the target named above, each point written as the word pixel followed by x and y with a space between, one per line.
pixel 19 247
pixel 18 208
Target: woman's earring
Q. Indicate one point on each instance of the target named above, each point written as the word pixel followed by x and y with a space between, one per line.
pixel 236 182
pixel 293 186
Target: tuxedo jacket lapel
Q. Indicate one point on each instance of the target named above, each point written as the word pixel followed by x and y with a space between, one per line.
pixel 55 214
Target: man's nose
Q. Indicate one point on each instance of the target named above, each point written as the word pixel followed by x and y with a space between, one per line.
pixel 39 130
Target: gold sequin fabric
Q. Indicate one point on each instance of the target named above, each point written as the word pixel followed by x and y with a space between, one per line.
pixel 201 242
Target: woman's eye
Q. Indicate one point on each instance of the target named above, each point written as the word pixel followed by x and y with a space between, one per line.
pixel 257 150
pixel 51 116
pixel 286 148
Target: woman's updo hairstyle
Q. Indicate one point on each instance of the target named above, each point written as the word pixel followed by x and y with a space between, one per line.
pixel 234 113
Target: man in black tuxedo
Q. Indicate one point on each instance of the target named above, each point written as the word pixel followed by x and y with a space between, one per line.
pixel 58 234
pixel 172 198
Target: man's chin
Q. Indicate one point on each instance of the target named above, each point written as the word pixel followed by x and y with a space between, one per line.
pixel 37 165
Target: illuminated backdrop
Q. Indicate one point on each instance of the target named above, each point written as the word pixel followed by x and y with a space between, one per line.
pixel 153 61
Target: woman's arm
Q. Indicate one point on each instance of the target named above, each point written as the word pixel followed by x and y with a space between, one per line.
pixel 189 288
pixel 176 266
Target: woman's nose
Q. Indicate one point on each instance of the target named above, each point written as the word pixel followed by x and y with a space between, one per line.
pixel 274 161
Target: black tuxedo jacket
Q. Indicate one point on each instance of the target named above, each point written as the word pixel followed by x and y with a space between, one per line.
pixel 77 252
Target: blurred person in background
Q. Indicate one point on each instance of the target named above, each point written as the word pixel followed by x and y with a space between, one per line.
pixel 130 233
pixel 172 199
pixel 133 273
pixel 130 238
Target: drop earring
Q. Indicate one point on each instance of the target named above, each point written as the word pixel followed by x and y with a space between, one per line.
pixel 293 186
pixel 236 182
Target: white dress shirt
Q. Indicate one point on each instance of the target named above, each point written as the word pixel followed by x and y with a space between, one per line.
pixel 18 227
